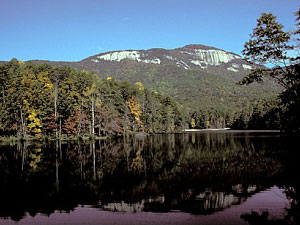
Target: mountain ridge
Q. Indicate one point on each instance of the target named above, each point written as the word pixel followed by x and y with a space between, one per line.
pixel 197 76
pixel 193 56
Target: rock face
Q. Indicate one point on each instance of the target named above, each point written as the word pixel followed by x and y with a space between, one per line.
pixel 121 55
pixel 194 75
pixel 201 56
pixel 194 57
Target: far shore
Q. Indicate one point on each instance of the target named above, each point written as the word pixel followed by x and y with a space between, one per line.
pixel 229 130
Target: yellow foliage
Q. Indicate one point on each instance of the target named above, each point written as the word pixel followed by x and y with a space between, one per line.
pixel 193 123
pixel 137 162
pixel 98 102
pixel 48 85
pixel 135 109
pixel 35 158
pixel 37 130
pixel 31 125
pixel 21 63
pixel 140 86
pixel 32 116
pixel 35 123
pixel 38 135
pixel 90 91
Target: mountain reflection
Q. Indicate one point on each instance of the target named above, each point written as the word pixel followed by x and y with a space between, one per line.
pixel 194 173
pixel 203 203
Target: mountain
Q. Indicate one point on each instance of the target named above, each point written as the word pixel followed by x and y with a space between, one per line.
pixel 197 76
pixel 190 57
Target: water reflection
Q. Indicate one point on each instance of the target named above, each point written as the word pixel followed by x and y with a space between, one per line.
pixel 203 203
pixel 194 173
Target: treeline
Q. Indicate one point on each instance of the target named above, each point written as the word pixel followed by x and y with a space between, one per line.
pixel 269 44
pixel 44 101
pixel 263 114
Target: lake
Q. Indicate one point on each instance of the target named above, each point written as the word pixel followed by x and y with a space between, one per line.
pixel 192 178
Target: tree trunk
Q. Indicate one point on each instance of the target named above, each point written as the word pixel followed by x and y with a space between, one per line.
pixel 57 167
pixel 93 118
pixel 94 159
pixel 23 123
pixel 59 127
pixel 24 151
pixel 55 108
pixel 80 118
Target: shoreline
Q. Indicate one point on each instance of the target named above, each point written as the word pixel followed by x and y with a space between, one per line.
pixel 228 130
pixel 85 138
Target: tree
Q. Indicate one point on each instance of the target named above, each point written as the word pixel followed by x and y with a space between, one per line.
pixel 297 32
pixel 36 100
pixel 135 109
pixel 193 123
pixel 92 94
pixel 269 45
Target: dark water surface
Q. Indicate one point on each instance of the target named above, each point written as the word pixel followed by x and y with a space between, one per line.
pixel 197 178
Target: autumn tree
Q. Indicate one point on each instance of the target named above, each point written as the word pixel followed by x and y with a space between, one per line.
pixel 135 110
pixel 193 123
pixel 60 102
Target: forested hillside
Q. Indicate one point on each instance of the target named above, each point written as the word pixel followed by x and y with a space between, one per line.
pixel 125 92
pixel 197 76
pixel 202 79
pixel 44 101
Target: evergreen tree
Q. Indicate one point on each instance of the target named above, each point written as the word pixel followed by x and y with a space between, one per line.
pixel 269 45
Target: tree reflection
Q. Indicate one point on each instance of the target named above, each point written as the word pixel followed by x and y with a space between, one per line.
pixel 198 173
pixel 291 216
pixel 291 186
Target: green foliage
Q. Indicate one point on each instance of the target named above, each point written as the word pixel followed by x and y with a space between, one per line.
pixel 269 44
pixel 39 100
pixel 297 32
pixel 195 89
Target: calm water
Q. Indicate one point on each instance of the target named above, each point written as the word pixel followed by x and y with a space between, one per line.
pixel 199 178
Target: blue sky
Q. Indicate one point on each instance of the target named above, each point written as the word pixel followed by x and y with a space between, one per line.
pixel 70 30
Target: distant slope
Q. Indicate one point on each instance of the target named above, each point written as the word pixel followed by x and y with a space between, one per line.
pixel 190 57
pixel 198 76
